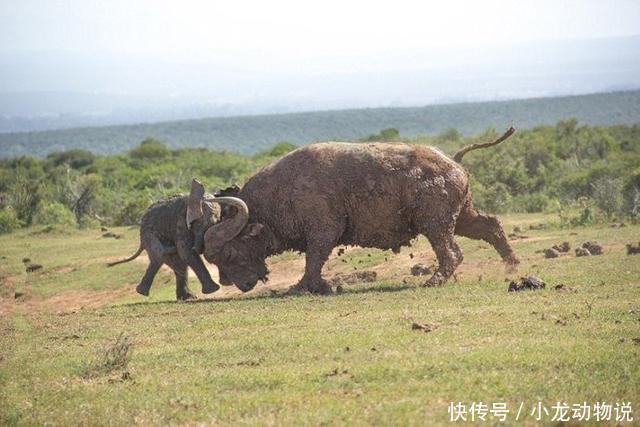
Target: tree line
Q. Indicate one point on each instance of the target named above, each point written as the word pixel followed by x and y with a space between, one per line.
pixel 583 173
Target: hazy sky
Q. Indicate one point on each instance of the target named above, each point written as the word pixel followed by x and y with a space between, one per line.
pixel 291 30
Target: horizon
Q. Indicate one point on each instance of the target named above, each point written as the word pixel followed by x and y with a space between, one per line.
pixel 74 63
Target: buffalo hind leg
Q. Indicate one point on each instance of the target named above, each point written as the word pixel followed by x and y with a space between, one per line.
pixel 180 268
pixel 448 253
pixel 481 227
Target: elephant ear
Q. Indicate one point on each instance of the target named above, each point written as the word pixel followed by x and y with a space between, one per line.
pixel 194 202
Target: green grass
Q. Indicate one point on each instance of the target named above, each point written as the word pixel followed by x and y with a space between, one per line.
pixel 343 359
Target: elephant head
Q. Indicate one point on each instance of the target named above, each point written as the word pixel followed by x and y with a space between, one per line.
pixel 203 212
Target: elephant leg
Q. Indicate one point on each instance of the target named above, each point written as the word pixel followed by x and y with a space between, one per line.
pixel 194 261
pixel 449 254
pixel 156 251
pixel 147 280
pixel 180 269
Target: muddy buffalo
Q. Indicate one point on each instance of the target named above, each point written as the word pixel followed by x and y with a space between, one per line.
pixel 335 193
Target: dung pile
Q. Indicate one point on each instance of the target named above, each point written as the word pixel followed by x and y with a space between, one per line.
pixel 527 283
pixel 589 248
pixel 633 250
pixel 421 270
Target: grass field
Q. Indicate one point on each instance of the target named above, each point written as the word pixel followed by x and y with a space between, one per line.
pixel 350 358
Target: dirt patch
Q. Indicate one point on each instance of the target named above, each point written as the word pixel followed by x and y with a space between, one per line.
pixel 362 276
pixel 72 300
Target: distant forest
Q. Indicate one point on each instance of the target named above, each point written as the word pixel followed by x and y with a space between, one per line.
pixel 252 134
pixel 582 173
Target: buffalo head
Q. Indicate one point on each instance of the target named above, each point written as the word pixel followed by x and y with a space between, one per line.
pixel 237 249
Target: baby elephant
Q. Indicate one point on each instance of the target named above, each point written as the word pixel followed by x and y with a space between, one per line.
pixel 172 233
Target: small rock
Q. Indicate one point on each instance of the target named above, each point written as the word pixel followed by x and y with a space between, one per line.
pixel 636 340
pixel 582 252
pixel 104 229
pixel 562 247
pixel 563 288
pixel 422 327
pixel 633 250
pixel 111 234
pixel 530 282
pixel 26 260
pixel 551 253
pixel 420 270
pixel 517 229
pixel 30 268
pixel 339 289
pixel 594 248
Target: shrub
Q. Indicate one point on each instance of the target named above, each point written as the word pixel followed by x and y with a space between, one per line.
pixel 53 213
pixel 132 212
pixel 607 193
pixel 534 203
pixel 150 149
pixel 9 221
pixel 280 149
pixel 497 199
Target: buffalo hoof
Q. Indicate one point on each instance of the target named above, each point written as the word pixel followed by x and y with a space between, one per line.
pixel 296 290
pixel 318 288
pixel 210 288
pixel 142 290
pixel 436 280
pixel 321 288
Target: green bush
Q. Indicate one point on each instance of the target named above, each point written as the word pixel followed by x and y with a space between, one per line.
pixel 497 199
pixel 150 149
pixel 9 221
pixel 531 203
pixel 53 213
pixel 132 212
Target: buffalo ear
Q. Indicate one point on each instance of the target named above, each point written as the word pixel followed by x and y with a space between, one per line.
pixel 255 229
pixel 194 202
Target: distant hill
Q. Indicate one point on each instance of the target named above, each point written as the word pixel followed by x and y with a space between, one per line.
pixel 249 134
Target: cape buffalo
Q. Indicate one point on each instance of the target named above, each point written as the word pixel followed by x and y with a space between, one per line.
pixel 336 193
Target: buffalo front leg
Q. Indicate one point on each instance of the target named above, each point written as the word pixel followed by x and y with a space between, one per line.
pixel 315 257
pixel 147 280
pixel 180 269
pixel 449 256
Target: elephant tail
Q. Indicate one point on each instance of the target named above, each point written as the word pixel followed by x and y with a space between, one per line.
pixel 131 258
pixel 464 150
